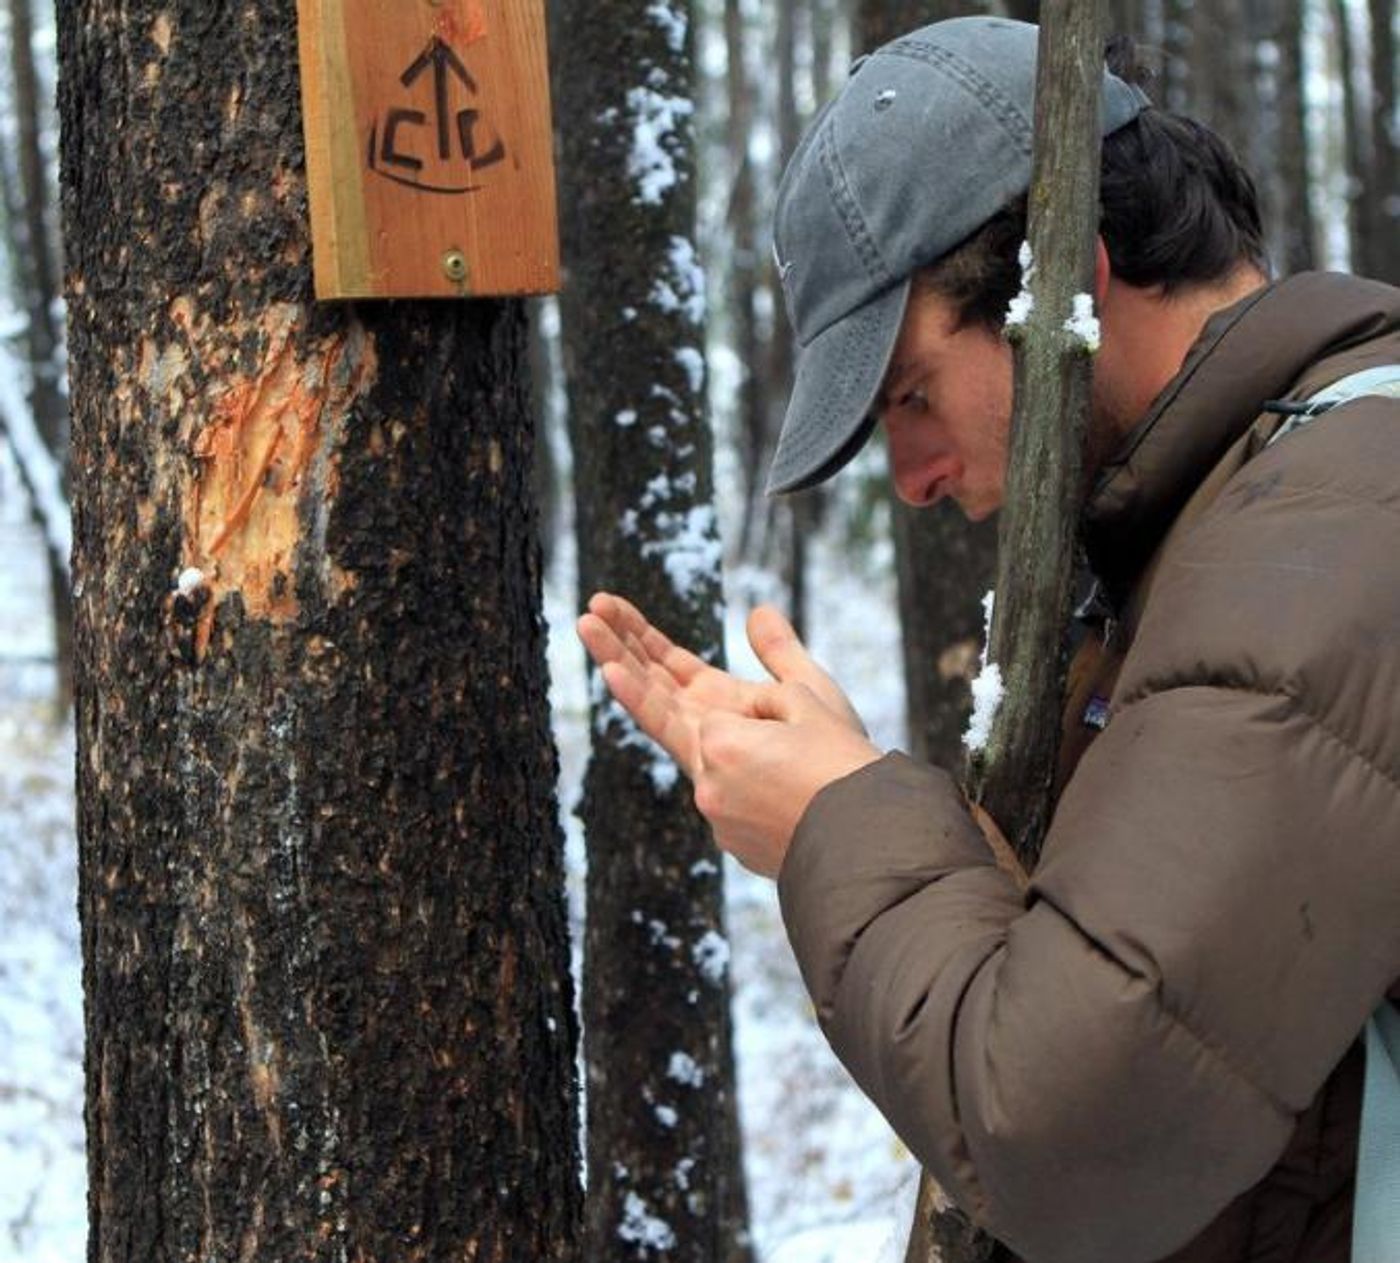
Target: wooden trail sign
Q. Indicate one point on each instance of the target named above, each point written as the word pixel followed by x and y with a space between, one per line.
pixel 429 148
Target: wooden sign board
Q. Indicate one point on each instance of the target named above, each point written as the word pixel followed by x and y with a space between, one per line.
pixel 429 149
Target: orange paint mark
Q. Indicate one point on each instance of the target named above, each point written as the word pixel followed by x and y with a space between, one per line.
pixel 462 31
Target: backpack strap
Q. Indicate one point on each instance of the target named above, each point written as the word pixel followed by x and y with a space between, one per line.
pixel 1383 380
pixel 1376 1221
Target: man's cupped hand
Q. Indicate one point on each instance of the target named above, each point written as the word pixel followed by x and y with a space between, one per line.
pixel 757 753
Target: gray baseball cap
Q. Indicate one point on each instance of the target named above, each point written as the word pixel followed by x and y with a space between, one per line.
pixel 929 138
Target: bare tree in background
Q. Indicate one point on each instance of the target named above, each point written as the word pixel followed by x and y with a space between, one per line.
pixel 326 967
pixel 944 564
pixel 664 1172
pixel 1298 243
pixel 748 273
pixel 37 268
pixel 1219 78
pixel 1355 135
pixel 1383 185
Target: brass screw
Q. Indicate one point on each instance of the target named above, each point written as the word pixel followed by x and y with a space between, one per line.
pixel 454 266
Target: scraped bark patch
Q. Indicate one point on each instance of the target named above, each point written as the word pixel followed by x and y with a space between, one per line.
pixel 255 460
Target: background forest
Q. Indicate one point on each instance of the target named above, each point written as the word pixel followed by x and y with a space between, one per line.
pixel 890 601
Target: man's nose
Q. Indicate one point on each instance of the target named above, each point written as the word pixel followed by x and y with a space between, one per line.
pixel 906 469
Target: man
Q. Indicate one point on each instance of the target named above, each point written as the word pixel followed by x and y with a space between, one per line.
pixel 1150 1052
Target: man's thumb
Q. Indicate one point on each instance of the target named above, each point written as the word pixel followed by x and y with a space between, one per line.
pixel 776 644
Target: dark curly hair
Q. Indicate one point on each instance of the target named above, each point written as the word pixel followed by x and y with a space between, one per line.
pixel 1176 209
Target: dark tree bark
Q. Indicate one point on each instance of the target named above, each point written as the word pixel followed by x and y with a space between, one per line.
pixel 943 563
pixel 1219 77
pixel 1178 38
pixel 879 21
pixel 38 270
pixel 1298 251
pixel 1263 21
pixel 664 1171
pixel 747 272
pixel 1354 137
pixel 822 15
pixel 1012 778
pixel 1126 18
pixel 324 942
pixel 801 512
pixel 1383 216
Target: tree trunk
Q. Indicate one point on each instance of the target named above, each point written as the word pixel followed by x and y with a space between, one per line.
pixel 1354 139
pixel 1220 72
pixel 1125 18
pixel 746 272
pixel 325 951
pixel 879 21
pixel 1178 90
pixel 1298 248
pixel 1384 199
pixel 822 16
pixel 1012 779
pixel 1263 156
pixel 801 510
pixel 943 563
pixel 664 1172
pixel 38 279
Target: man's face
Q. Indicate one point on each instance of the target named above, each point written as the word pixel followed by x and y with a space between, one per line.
pixel 946 409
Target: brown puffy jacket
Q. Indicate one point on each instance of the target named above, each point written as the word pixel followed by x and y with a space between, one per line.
pixel 1152 1053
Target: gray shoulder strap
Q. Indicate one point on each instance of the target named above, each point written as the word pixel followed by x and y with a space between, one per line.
pixel 1383 380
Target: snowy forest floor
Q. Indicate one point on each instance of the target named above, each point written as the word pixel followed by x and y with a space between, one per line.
pixel 828 1181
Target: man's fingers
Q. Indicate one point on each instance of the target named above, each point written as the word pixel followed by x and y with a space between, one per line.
pixel 655 712
pixel 776 644
pixel 649 643
pixel 786 658
pixel 599 638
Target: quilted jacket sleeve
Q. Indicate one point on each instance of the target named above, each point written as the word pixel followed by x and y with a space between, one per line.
pixel 1096 1072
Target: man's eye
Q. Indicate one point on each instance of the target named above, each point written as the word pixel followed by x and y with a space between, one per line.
pixel 914 399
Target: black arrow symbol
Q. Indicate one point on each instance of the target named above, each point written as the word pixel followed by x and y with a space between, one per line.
pixel 442 59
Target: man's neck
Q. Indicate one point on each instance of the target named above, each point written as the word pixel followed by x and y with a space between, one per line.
pixel 1147 335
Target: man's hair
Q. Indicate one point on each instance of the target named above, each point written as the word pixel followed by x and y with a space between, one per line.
pixel 1177 209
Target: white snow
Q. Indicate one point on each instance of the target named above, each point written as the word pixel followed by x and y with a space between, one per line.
pixel 656 117
pixel 689 547
pixel 1082 323
pixel 987 691
pixel 641 1228
pixel 627 417
pixel 1020 307
pixel 690 359
pixel 987 688
pixel 684 1069
pixel 673 21
pixel 711 954
pixel 666 1116
pixel 189 581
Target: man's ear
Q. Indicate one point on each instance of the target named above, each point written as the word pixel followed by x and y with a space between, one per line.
pixel 1103 272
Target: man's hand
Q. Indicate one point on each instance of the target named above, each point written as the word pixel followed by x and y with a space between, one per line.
pixel 756 753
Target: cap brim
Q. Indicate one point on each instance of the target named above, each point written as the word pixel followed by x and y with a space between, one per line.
pixel 838 378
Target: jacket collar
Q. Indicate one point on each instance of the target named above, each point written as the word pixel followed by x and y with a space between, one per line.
pixel 1247 353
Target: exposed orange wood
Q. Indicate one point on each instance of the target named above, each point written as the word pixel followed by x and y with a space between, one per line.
pixel 267 450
